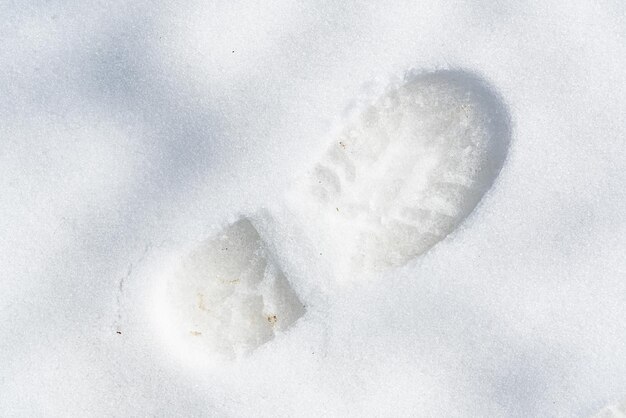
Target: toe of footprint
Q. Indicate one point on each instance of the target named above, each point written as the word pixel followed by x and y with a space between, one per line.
pixel 406 172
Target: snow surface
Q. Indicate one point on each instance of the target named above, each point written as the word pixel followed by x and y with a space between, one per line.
pixel 617 410
pixel 131 132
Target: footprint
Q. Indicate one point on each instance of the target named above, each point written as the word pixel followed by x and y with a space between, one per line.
pixel 395 181
pixel 406 172
pixel 617 410
pixel 227 297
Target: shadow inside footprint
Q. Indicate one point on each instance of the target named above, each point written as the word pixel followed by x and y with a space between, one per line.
pixel 407 171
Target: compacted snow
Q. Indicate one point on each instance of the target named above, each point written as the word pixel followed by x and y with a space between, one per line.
pixel 226 298
pixel 406 172
pixel 312 208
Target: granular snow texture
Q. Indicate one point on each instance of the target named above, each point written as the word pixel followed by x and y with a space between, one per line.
pixel 470 261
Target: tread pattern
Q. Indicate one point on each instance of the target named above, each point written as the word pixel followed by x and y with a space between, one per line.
pixel 407 172
pixel 228 297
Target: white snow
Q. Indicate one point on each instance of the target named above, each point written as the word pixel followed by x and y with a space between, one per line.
pixel 617 410
pixel 405 173
pixel 133 132
pixel 224 299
